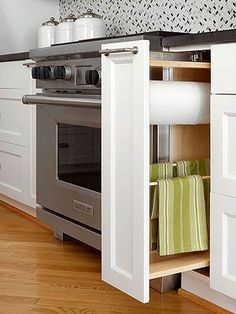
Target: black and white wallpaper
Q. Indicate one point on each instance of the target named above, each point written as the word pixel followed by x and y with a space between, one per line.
pixel 132 16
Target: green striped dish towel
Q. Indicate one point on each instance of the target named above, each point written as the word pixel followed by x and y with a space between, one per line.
pixel 182 215
pixel 158 171
pixel 201 167
pixel 192 167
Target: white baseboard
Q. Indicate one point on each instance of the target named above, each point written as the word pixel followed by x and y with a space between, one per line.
pixel 24 208
pixel 199 285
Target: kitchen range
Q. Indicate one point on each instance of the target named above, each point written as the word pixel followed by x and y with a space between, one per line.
pixel 69 145
pixel 69 136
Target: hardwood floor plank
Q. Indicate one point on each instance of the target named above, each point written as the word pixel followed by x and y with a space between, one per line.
pixel 39 274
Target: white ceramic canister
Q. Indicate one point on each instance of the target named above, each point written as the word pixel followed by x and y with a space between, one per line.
pixel 89 25
pixel 64 30
pixel 47 33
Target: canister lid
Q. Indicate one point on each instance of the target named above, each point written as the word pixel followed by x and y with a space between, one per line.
pixel 69 18
pixel 90 14
pixel 51 22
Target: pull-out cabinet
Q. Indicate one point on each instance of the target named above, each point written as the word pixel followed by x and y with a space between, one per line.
pixel 127 262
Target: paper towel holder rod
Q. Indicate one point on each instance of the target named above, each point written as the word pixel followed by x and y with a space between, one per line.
pixel 154 183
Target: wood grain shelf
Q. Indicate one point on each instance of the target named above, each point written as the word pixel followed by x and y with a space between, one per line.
pixel 179 64
pixel 173 264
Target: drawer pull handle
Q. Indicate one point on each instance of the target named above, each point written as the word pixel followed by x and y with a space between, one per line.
pixel 0 166
pixel 29 64
pixel 106 52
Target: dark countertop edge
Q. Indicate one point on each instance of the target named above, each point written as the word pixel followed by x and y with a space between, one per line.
pixel 14 56
pixel 189 39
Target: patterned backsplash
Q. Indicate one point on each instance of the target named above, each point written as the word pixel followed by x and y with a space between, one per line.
pixel 134 16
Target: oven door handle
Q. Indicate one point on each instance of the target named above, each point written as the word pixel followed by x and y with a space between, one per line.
pixel 91 103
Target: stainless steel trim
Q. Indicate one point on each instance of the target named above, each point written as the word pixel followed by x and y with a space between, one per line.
pixel 70 228
pixel 82 102
pixel 106 52
pixel 163 143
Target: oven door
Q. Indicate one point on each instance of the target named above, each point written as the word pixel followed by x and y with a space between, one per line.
pixel 69 159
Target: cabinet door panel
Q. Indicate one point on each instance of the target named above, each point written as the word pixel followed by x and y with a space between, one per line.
pixel 223 68
pixel 14 117
pixel 223 135
pixel 13 171
pixel 125 169
pixel 223 244
pixel 14 75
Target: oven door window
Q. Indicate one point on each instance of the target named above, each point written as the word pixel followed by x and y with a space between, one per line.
pixel 79 156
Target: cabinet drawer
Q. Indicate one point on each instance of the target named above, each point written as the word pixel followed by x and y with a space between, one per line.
pixel 223 69
pixel 14 117
pixel 13 171
pixel 223 152
pixel 16 75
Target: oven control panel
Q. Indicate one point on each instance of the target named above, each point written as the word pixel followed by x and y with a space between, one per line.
pixel 52 72
pixel 78 75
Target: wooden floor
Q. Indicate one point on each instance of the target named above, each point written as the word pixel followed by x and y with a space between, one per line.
pixel 39 274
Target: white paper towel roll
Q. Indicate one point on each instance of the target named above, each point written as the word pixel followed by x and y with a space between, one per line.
pixel 179 103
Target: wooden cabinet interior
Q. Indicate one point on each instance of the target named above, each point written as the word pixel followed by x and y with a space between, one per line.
pixel 179 64
pixel 190 142
pixel 187 142
pixel 161 266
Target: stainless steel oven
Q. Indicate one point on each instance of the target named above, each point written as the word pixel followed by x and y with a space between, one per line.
pixel 68 153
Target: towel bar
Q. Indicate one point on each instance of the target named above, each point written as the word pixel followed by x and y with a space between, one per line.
pixel 156 183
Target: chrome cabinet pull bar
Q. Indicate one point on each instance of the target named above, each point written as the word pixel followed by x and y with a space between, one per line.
pixel 106 52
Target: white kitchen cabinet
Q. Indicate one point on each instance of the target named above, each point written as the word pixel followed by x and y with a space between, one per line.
pixel 223 245
pixel 223 127
pixel 13 118
pixel 223 196
pixel 13 167
pixel 223 69
pixel 17 134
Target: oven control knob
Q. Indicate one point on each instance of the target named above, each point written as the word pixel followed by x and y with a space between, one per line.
pixel 44 72
pixel 35 73
pixel 92 77
pixel 63 72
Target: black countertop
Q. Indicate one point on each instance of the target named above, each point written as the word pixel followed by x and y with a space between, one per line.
pixel 164 39
pixel 14 56
pixel 189 39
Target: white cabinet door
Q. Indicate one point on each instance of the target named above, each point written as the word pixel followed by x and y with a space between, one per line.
pixel 223 244
pixel 223 136
pixel 125 169
pixel 223 69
